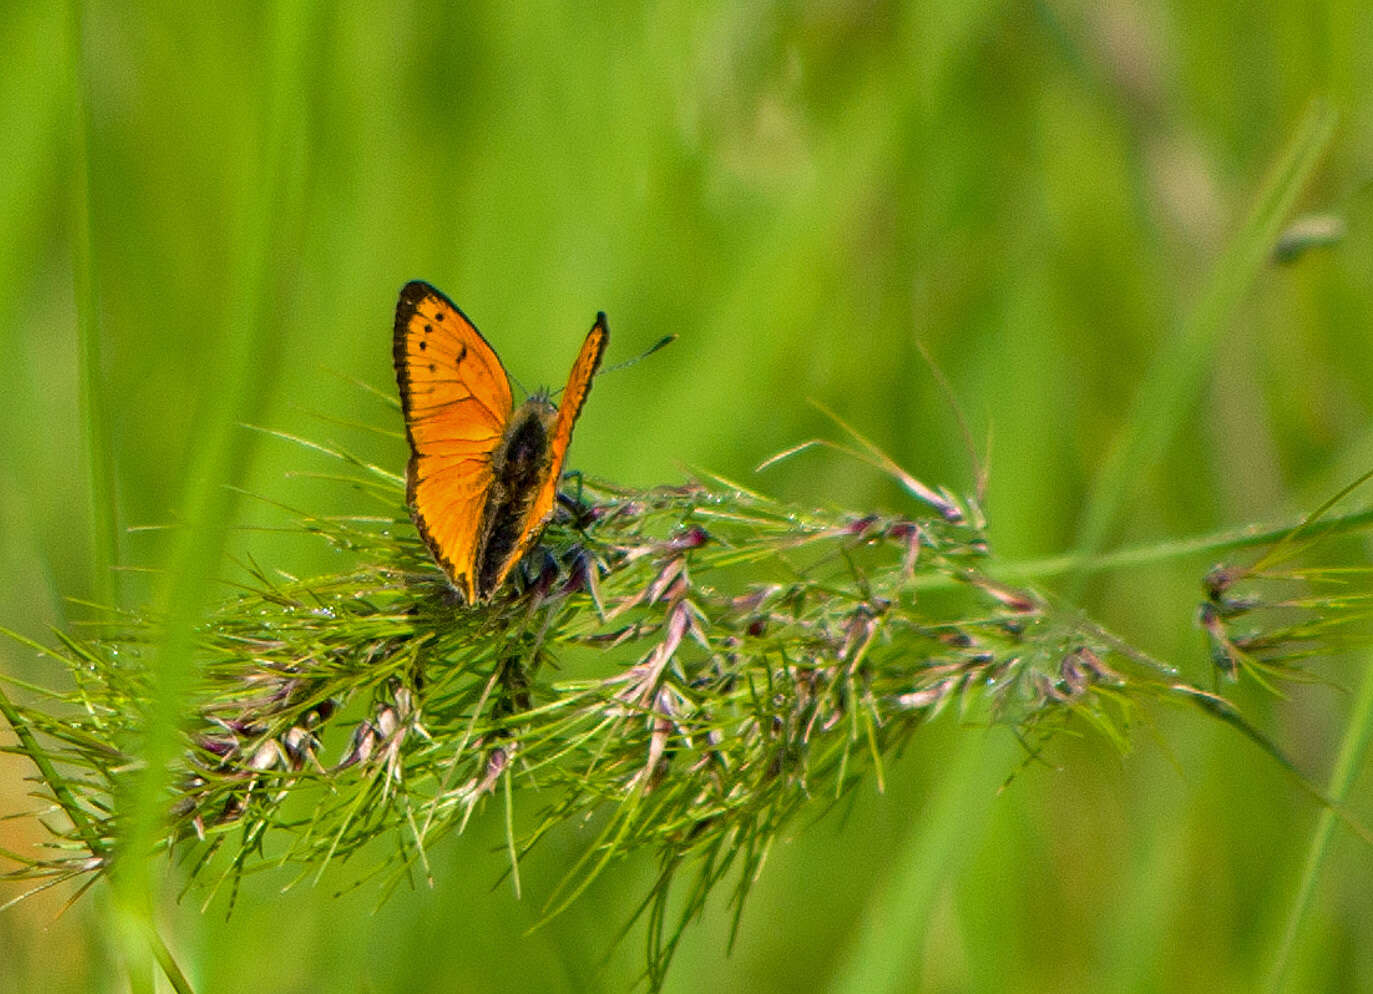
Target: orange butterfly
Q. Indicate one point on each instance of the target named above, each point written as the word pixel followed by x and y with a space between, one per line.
pixel 482 479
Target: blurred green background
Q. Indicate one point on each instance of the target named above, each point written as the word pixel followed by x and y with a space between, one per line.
pixel 801 192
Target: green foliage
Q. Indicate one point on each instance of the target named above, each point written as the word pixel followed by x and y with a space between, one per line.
pixel 206 211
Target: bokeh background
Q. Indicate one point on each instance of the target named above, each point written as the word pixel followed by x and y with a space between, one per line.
pixel 802 192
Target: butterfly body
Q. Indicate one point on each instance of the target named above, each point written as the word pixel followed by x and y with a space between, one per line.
pixel 482 478
pixel 517 466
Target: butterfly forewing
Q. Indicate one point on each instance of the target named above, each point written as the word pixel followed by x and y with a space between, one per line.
pixel 456 400
pixel 574 396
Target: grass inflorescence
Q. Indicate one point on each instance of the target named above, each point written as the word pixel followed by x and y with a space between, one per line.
pixel 686 666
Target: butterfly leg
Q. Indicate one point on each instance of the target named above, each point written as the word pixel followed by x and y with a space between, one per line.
pixel 572 503
pixel 579 509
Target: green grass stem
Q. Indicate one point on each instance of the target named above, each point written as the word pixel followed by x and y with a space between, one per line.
pixel 1173 382
pixel 102 512
pixel 1353 757
pixel 889 945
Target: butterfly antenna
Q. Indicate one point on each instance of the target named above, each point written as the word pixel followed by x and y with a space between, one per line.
pixel 662 343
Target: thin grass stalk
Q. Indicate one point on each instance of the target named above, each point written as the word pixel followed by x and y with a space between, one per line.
pixel 1209 545
pixel 99 462
pixel 886 951
pixel 1172 385
pixel 1352 758
pixel 94 402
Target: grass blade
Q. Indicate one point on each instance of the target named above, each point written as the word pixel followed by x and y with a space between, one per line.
pixel 1173 383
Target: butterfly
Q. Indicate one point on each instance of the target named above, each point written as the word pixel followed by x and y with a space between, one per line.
pixel 483 476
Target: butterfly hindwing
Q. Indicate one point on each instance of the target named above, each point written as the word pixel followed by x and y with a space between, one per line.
pixel 456 400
